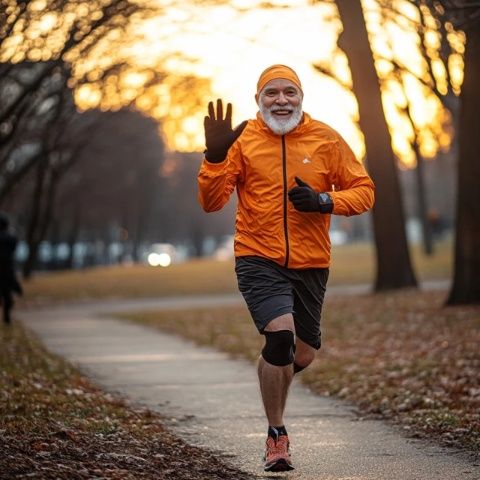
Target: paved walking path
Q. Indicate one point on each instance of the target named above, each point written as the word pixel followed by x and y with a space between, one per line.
pixel 213 401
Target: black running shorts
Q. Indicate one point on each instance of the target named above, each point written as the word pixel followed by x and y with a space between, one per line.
pixel 271 290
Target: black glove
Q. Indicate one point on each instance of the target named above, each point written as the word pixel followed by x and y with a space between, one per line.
pixel 219 136
pixel 306 199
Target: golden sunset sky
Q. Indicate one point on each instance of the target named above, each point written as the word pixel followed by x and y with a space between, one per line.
pixel 205 50
pixel 231 43
pixel 234 47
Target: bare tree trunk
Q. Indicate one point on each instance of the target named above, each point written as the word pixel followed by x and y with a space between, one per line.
pixel 394 268
pixel 422 203
pixel 45 190
pixel 422 208
pixel 197 235
pixel 136 234
pixel 32 238
pixel 466 281
pixel 73 236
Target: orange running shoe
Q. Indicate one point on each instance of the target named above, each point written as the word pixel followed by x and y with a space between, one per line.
pixel 277 456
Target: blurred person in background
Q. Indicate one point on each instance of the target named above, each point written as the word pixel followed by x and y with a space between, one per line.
pixel 291 173
pixel 8 279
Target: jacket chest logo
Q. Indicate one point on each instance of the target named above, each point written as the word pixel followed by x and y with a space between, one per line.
pixel 306 161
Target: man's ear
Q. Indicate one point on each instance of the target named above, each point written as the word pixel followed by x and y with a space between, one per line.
pixel 257 98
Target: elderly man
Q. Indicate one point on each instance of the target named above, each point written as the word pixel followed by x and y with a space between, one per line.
pixel 291 173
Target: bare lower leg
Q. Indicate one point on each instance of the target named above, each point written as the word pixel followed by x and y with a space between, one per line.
pixel 274 384
pixel 275 380
pixel 304 354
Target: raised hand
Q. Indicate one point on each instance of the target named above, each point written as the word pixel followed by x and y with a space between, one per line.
pixel 219 135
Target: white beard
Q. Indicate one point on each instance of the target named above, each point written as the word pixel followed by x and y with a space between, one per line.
pixel 281 126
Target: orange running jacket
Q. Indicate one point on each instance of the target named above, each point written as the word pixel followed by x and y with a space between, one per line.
pixel 262 167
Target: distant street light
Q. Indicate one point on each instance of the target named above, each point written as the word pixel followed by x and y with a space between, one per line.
pixel 159 259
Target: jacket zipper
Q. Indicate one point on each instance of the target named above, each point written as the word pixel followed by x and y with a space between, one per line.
pixel 285 200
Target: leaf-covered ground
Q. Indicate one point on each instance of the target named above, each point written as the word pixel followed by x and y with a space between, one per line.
pixel 55 424
pixel 400 356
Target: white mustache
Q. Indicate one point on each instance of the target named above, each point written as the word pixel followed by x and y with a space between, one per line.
pixel 283 109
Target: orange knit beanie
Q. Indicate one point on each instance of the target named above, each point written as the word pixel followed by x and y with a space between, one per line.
pixel 277 71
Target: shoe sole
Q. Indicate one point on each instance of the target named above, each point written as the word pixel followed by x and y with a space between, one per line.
pixel 279 466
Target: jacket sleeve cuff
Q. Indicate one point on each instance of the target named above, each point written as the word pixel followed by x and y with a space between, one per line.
pixel 214 166
pixel 213 170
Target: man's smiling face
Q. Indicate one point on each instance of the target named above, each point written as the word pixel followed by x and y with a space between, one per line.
pixel 280 103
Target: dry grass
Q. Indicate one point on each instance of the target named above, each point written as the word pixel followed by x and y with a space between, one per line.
pixel 194 277
pixel 351 264
pixel 355 263
pixel 401 356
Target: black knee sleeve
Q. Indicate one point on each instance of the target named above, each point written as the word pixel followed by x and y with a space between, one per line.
pixel 278 349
